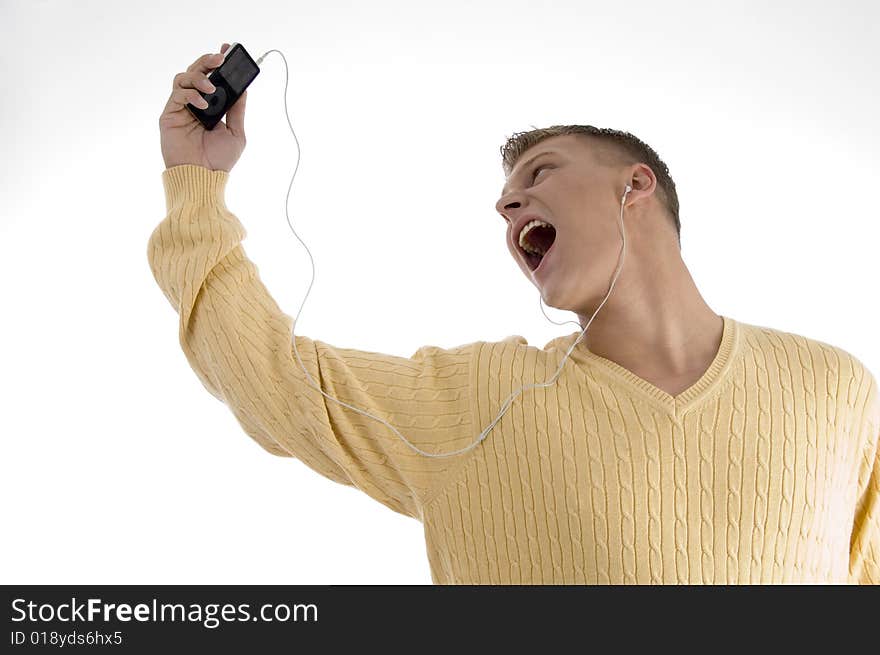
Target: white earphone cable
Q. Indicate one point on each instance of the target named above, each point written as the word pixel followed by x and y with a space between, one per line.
pixel 540 299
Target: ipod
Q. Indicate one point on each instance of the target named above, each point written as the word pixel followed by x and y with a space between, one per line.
pixel 230 80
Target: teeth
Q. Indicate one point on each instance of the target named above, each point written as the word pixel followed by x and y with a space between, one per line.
pixel 522 236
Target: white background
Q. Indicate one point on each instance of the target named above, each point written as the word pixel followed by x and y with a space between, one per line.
pixel 118 467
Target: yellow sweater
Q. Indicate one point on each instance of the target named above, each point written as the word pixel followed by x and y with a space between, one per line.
pixel 766 470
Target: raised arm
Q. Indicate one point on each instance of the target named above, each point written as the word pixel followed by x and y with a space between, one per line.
pixel 238 342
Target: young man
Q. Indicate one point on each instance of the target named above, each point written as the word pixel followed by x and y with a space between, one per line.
pixel 676 446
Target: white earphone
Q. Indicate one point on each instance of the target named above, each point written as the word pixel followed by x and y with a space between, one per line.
pixel 504 407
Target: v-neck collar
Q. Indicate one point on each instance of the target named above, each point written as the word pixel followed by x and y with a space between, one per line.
pixel 685 400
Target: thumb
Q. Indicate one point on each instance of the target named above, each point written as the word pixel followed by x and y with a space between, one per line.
pixel 235 116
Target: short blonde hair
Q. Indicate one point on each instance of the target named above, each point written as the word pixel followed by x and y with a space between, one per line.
pixel 611 147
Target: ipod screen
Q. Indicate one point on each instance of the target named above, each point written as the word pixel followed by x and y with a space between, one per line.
pixel 238 70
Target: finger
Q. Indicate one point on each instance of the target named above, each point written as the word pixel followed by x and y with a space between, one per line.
pixel 224 47
pixel 195 77
pixel 181 96
pixel 193 80
pixel 235 116
pixel 182 92
pixel 185 89
pixel 205 63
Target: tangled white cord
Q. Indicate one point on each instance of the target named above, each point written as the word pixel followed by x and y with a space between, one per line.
pixel 540 301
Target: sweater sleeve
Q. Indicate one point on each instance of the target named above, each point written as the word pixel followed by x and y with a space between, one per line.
pixel 865 540
pixel 238 343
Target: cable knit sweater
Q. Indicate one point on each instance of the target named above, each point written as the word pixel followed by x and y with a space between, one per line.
pixel 765 470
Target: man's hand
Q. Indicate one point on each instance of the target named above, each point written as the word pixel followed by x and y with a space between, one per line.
pixel 183 138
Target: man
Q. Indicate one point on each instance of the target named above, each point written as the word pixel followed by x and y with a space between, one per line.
pixel 675 446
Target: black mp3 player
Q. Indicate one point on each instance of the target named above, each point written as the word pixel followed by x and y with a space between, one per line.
pixel 230 80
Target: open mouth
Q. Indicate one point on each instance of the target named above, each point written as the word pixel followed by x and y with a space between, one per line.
pixel 536 243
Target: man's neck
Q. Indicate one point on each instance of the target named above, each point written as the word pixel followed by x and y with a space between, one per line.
pixel 659 328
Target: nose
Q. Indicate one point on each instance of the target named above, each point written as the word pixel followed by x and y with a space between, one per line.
pixel 505 203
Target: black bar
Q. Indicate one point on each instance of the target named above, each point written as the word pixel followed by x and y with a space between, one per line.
pixel 270 619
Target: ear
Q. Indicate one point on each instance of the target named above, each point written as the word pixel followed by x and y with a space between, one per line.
pixel 643 183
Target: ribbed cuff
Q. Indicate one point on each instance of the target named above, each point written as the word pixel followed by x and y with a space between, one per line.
pixel 192 184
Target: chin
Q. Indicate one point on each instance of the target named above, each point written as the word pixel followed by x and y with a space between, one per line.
pixel 555 298
pixel 573 290
pixel 567 300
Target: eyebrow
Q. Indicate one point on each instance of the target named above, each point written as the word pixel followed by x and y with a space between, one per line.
pixel 526 165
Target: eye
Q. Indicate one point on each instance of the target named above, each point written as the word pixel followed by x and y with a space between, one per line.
pixel 535 172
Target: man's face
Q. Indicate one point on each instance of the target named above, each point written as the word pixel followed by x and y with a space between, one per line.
pixel 566 187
